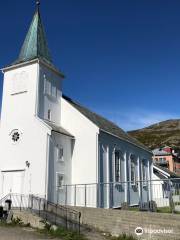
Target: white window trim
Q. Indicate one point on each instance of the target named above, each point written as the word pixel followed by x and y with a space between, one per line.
pixel 57 186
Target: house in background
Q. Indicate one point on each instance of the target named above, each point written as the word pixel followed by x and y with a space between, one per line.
pixel 168 158
pixel 165 184
pixel 54 147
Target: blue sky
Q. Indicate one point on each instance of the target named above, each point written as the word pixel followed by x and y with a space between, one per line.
pixel 121 58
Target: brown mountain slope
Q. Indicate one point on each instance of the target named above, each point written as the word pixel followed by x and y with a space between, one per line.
pixel 160 134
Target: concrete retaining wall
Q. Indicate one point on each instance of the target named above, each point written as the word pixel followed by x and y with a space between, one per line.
pixel 120 221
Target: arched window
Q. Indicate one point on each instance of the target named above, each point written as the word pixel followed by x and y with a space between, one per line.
pixel 144 170
pixel 118 158
pixel 133 169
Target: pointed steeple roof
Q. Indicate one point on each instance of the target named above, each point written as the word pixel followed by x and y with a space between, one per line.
pixel 35 44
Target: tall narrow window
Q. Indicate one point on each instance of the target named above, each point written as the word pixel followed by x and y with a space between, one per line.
pixel 47 86
pixel 54 92
pixel 118 166
pixel 60 153
pixel 144 172
pixel 59 180
pixel 49 114
pixel 133 173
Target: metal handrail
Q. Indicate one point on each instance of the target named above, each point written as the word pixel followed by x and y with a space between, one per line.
pixel 120 182
pixel 43 208
pixel 4 198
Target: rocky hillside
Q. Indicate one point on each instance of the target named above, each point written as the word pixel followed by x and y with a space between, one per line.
pixel 160 134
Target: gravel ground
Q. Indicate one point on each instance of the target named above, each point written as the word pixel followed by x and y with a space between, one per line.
pixel 18 233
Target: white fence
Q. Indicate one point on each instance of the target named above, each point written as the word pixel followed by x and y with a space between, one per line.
pixel 164 192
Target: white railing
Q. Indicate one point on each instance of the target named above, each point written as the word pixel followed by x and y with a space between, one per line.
pixel 164 193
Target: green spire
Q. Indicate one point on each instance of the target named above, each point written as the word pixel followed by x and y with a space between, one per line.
pixel 35 44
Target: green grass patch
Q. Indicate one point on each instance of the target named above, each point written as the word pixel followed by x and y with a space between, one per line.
pixel 164 210
pixel 135 209
pixel 124 237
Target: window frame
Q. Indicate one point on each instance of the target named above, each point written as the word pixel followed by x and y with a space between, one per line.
pixel 118 178
pixel 58 148
pixel 50 89
pixel 47 86
pixel 53 91
pixel 144 175
pixel 49 115
pixel 59 187
pixel 133 162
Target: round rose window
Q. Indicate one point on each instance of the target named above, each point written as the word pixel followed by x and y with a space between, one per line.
pixel 15 136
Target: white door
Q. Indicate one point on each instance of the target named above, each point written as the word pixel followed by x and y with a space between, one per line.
pixel 12 182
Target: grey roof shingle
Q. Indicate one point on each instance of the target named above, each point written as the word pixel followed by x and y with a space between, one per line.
pixel 104 124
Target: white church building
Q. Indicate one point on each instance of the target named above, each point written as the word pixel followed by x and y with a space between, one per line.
pixel 54 147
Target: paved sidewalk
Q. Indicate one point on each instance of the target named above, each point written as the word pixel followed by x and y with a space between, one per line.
pixel 18 233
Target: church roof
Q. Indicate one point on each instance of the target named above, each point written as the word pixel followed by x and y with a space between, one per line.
pixel 35 44
pixel 104 124
pixel 58 129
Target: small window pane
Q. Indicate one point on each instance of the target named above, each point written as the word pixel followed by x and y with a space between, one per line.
pixel 49 114
pixel 60 180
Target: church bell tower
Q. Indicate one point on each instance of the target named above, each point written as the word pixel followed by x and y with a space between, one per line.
pixel 32 93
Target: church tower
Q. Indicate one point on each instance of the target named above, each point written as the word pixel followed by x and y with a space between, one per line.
pixel 32 82
pixel 31 94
